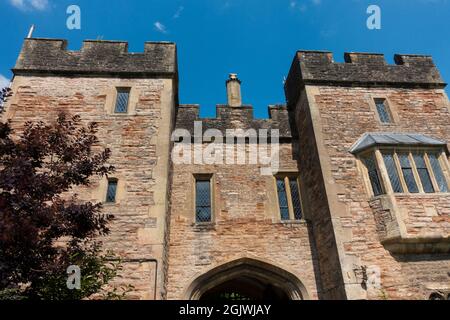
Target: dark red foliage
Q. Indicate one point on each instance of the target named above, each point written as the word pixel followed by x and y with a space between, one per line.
pixel 36 169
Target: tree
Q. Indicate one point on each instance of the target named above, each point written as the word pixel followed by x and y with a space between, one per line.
pixel 5 93
pixel 43 231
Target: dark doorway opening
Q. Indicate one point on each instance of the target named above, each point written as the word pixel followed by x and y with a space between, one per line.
pixel 247 279
pixel 245 289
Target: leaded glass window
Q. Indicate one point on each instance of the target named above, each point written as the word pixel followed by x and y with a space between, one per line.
pixel 408 173
pixel 289 198
pixel 283 200
pixel 373 175
pixel 203 201
pixel 123 96
pixel 111 191
pixel 438 173
pixel 413 172
pixel 383 111
pixel 392 172
pixel 424 175
pixel 296 202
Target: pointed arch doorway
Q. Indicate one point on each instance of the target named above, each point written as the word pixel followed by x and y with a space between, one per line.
pixel 247 279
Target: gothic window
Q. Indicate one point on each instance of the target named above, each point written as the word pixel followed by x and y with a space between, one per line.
pixel 111 191
pixel 383 110
pixel 203 211
pixel 289 199
pixel 122 100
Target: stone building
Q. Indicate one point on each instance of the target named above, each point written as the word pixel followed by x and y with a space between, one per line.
pixel 358 206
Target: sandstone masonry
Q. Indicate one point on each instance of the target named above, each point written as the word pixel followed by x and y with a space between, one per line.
pixel 346 230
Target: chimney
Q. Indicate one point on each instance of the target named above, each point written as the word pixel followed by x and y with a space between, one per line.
pixel 234 91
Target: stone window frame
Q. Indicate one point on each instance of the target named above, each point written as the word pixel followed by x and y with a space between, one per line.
pixel 286 176
pixel 377 153
pixel 390 108
pixel 110 181
pixel 211 178
pixel 122 90
pixel 99 193
pixel 111 99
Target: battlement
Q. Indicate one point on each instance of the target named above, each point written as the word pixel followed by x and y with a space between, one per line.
pixel 236 118
pixel 106 58
pixel 360 69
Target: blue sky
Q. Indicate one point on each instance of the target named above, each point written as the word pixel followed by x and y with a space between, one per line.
pixel 255 38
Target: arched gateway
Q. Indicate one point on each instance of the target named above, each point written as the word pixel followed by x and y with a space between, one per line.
pixel 247 279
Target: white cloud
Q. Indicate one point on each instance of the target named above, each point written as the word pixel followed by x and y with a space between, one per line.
pixel 4 82
pixel 303 5
pixel 30 4
pixel 178 12
pixel 39 4
pixel 294 5
pixel 160 27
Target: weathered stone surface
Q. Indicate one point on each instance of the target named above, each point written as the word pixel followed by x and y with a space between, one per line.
pixel 140 152
pixel 336 117
pixel 346 233
pixel 96 57
pixel 360 69
pixel 246 224
pixel 237 118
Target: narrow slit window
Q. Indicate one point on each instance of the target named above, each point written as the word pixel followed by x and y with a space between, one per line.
pixel 112 191
pixel 383 110
pixel 408 173
pixel 438 173
pixel 123 97
pixel 373 175
pixel 423 172
pixel 283 200
pixel 296 202
pixel 203 201
pixel 392 172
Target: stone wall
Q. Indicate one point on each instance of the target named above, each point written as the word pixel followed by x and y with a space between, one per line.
pixel 246 224
pixel 315 199
pixel 140 153
pixel 107 58
pixel 238 118
pixel 49 79
pixel 329 107
pixel 340 116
